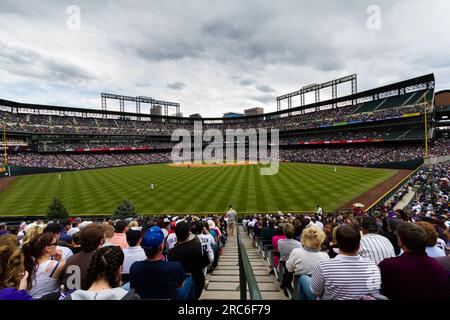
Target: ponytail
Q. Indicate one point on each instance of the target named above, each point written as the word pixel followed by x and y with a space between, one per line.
pixel 105 264
pixel 32 251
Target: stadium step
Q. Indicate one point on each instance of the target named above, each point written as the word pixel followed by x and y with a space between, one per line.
pixel 224 280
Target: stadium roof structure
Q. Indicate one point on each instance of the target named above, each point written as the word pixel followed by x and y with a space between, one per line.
pixel 419 83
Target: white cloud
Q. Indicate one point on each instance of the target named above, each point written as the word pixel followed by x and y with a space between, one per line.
pixel 232 54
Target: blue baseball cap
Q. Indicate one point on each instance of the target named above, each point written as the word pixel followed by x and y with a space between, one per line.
pixel 152 238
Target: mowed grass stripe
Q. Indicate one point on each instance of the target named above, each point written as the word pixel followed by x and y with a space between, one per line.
pixel 202 191
pixel 297 187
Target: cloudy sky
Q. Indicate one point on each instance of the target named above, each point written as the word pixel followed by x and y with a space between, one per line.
pixel 214 56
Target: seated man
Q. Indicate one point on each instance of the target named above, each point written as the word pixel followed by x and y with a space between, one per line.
pixel 348 276
pixel 413 275
pixel 155 278
pixel 188 252
pixel 374 246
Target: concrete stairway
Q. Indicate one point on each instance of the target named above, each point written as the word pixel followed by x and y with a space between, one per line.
pixel 224 281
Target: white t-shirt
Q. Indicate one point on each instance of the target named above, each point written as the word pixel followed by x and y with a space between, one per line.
pixel 131 255
pixel 303 261
pixel 171 240
pixel 207 245
pixel 231 215
pixel 65 252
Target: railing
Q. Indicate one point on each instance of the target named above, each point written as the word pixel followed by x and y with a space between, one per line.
pixel 246 275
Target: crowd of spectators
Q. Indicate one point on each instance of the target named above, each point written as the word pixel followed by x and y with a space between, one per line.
pixel 343 257
pixel 62 146
pixel 360 154
pixel 86 160
pixel 41 123
pixel 385 134
pixel 110 260
pixel 364 154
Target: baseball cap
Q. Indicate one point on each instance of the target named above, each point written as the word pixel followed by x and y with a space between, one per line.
pixel 152 238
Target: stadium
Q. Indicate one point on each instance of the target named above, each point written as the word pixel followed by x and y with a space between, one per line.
pixel 375 137
pixel 338 194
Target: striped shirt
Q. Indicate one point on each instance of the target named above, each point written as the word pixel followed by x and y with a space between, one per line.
pixel 345 278
pixel 376 248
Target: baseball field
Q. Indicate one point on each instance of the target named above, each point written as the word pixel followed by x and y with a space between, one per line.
pixel 296 187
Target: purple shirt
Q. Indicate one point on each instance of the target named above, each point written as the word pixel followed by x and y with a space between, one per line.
pixel 4 231
pixel 413 276
pixel 14 294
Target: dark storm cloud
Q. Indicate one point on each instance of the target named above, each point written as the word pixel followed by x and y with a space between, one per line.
pixel 29 63
pixel 177 85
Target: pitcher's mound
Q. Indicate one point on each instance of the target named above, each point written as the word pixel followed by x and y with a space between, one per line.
pixel 204 165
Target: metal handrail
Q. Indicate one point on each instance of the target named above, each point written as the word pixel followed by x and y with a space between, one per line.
pixel 246 275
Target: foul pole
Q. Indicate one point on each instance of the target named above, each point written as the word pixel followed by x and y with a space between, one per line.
pixel 426 126
pixel 5 158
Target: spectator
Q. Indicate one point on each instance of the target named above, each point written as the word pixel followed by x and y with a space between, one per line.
pixel 103 277
pixel 13 277
pixel 279 235
pixel 66 226
pixel 392 224
pixel 134 252
pixel 413 275
pixel 55 229
pixel 43 271
pixel 109 234
pixel 155 278
pixel 206 240
pixel 432 249
pixel 171 239
pixel 30 232
pixel 268 232
pixel 74 229
pixel 374 246
pixel 348 275
pixel 188 252
pixel 76 246
pixel 231 215
pixel 3 229
pixel 120 238
pixel 285 246
pixel 304 260
pixel 74 275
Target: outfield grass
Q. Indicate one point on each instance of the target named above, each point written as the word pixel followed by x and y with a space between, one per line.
pixel 296 187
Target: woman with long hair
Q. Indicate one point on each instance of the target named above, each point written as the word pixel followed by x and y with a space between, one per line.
pixel 44 264
pixel 103 277
pixel 31 233
pixel 13 277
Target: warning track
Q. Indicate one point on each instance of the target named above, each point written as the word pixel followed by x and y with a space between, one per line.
pixel 370 197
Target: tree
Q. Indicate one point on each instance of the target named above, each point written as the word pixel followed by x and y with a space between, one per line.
pixel 57 211
pixel 124 210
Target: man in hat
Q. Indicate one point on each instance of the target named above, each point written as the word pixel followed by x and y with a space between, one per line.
pixel 154 278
